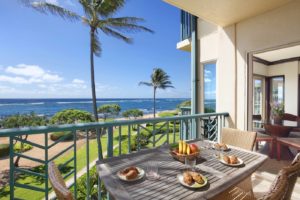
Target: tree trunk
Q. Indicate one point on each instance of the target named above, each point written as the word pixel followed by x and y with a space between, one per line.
pixel 92 35
pixel 154 106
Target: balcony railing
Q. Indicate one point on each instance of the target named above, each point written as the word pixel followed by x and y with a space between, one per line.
pixel 101 140
pixel 185 25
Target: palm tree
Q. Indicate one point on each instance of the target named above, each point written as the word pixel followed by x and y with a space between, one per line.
pixel 99 17
pixel 159 80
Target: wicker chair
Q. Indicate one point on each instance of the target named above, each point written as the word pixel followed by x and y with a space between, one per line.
pixel 58 183
pixel 281 189
pixel 238 138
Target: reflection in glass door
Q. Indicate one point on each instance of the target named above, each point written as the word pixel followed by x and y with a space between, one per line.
pixel 257 96
pixel 277 89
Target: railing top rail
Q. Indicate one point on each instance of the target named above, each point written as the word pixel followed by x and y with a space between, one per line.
pixel 95 125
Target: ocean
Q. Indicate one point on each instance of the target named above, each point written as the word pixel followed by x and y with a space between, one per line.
pixel 48 107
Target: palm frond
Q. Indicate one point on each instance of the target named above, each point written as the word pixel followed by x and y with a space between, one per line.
pixel 88 9
pixel 46 8
pixel 116 34
pixel 127 24
pixel 96 45
pixel 145 83
pixel 107 8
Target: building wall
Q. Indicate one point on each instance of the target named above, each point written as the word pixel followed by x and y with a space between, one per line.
pixel 290 71
pixel 269 30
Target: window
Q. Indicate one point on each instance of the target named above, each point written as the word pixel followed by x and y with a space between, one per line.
pixel 277 89
pixel 210 87
pixel 257 96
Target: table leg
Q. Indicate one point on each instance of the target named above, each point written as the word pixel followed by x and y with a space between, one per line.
pixel 278 151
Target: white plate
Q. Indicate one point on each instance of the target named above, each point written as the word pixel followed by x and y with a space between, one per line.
pixel 140 175
pixel 195 185
pixel 240 162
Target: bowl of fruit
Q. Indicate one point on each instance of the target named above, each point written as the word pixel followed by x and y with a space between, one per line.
pixel 181 150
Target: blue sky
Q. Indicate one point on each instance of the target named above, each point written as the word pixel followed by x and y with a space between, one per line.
pixel 43 56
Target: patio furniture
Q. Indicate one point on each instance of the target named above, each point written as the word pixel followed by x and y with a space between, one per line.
pixel 58 183
pixel 282 187
pixel 238 138
pixel 220 176
pixel 242 139
pixel 261 137
pixel 288 142
pixel 282 130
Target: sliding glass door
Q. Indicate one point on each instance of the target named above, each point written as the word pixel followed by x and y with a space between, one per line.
pixel 277 89
pixel 209 87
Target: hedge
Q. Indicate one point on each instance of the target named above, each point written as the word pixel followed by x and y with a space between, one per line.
pixel 4 150
pixel 57 135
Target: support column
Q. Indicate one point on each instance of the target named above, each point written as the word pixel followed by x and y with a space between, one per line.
pixel 194 76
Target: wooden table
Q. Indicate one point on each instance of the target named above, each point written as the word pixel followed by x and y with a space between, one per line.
pixel 288 142
pixel 282 129
pixel 220 176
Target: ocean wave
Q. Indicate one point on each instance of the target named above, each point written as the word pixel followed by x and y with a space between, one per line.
pixel 73 102
pixel 21 104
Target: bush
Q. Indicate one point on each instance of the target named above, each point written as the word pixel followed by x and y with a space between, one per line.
pixel 71 116
pixel 57 135
pixel 26 147
pixel 81 186
pixel 4 150
pixel 17 121
pixel 184 104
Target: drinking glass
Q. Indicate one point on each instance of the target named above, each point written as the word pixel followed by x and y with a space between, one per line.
pixel 190 161
pixel 152 170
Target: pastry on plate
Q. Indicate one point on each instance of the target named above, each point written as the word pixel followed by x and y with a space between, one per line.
pixel 226 159
pixel 187 178
pixel 130 172
pixel 197 177
pixel 223 146
pixel 233 159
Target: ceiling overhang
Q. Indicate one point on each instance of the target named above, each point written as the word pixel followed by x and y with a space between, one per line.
pixel 227 12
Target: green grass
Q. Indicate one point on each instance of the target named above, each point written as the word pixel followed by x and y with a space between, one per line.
pixel 168 113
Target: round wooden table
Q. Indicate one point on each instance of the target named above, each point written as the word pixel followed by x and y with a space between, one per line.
pixel 282 129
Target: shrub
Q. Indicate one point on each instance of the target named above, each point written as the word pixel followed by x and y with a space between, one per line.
pixel 109 109
pixel 71 116
pixel 4 150
pixel 57 135
pixel 133 113
pixel 184 104
pixel 82 190
pixel 18 147
pixel 17 121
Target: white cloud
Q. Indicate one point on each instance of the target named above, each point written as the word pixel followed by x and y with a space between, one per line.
pixel 78 81
pixel 207 80
pixel 104 88
pixel 33 73
pixel 15 80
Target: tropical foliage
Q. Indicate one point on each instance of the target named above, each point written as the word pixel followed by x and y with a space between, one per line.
pixel 109 110
pixel 185 104
pixel 159 80
pixel 133 113
pixel 18 121
pixel 277 109
pixel 71 116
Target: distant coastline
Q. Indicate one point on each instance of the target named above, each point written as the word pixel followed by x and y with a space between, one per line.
pixel 49 106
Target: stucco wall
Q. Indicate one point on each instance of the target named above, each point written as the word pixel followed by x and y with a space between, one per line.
pixel 269 30
pixel 266 31
pixel 290 71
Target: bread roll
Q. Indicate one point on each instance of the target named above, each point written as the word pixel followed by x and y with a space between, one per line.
pixel 187 178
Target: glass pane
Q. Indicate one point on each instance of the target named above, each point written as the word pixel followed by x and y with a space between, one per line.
pixel 257 96
pixel 210 88
pixel 277 89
